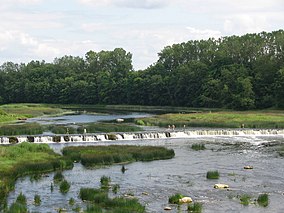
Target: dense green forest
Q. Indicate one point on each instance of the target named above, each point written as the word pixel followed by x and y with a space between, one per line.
pixel 237 72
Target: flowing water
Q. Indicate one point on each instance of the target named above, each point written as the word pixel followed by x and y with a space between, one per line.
pixel 153 182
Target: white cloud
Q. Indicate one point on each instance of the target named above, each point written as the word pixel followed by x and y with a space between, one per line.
pixel 147 4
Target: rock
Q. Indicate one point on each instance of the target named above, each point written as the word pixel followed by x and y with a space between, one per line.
pixel 221 186
pixel 185 200
pixel 248 167
pixel 119 120
pixel 145 193
pixel 167 208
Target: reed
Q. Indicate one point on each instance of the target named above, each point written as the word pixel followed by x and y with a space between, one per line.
pixel 263 200
pixel 105 181
pixel 108 127
pixel 212 175
pixel 250 119
pixel 37 200
pixel 198 147
pixel 195 207
pixel 64 186
pixel 174 199
pixel 14 164
pixel 107 155
pixel 245 199
pixel 58 177
pixel 21 129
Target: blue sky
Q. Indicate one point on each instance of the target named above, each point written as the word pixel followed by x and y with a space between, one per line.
pixel 46 29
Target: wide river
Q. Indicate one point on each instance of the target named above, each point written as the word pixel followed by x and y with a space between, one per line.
pixel 153 182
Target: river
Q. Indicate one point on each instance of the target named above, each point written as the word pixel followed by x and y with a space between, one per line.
pixel 153 182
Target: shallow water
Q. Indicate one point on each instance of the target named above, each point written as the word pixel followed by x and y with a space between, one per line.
pixel 85 118
pixel 185 173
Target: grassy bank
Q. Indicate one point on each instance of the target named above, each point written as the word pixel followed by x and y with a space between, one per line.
pixel 26 158
pixel 14 112
pixel 250 119
pixel 107 155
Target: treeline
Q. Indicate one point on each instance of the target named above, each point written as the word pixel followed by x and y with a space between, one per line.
pixel 245 72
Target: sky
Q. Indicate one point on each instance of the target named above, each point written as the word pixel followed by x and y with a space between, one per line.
pixel 46 29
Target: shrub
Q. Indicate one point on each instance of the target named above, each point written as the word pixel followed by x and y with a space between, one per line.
pixel 105 182
pixel 71 201
pixel 64 186
pixel 198 147
pixel 37 200
pixel 212 175
pixel 263 200
pixel 58 177
pixel 245 199
pixel 111 137
pixel 174 199
pixel 195 207
pixel 95 195
pixel 115 188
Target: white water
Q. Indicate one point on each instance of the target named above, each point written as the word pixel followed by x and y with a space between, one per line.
pixel 148 135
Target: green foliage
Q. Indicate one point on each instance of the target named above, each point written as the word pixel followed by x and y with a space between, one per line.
pixel 198 147
pixel 212 175
pixel 108 127
pixel 21 129
pixel 195 207
pixel 58 177
pixel 174 199
pixel 245 199
pixel 237 72
pixel 115 188
pixel 251 119
pixel 64 186
pixel 105 181
pixel 71 201
pixel 107 155
pixel 37 200
pixel 263 200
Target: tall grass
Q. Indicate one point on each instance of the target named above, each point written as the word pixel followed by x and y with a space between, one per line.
pixel 21 129
pixel 219 119
pixel 107 155
pixel 198 147
pixel 174 199
pixel 27 158
pixel 108 127
pixel 263 200
pixel 195 207
pixel 212 175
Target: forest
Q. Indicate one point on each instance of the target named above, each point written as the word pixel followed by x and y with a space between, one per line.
pixel 234 72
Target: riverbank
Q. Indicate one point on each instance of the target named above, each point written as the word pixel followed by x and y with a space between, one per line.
pixel 24 159
pixel 248 119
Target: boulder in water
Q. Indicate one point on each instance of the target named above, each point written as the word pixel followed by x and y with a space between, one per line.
pixel 167 208
pixel 248 167
pixel 185 200
pixel 221 186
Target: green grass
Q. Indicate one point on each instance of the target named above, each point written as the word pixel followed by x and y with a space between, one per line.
pixel 21 129
pixel 105 182
pixel 107 155
pixel 107 127
pixel 13 112
pixel 37 200
pixel 250 119
pixel 212 175
pixel 195 207
pixel 64 186
pixel 245 199
pixel 263 200
pixel 27 158
pixel 198 147
pixel 174 199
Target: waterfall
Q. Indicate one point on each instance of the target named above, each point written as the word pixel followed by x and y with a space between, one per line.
pixel 140 135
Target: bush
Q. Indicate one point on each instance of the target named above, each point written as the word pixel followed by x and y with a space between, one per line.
pixel 195 208
pixel 58 177
pixel 37 200
pixel 212 175
pixel 245 199
pixel 64 186
pixel 263 200
pixel 174 199
pixel 198 147
pixel 105 182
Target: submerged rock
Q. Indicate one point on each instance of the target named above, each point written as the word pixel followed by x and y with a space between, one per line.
pixel 221 186
pixel 167 208
pixel 185 200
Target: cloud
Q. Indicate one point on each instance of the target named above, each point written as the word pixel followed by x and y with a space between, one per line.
pixel 145 4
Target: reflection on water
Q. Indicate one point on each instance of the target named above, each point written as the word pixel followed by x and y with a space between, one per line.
pixel 85 118
pixel 186 174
